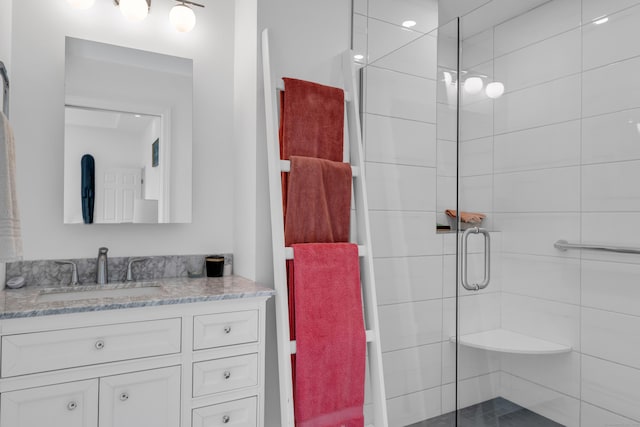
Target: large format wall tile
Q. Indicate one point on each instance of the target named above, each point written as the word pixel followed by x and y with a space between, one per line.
pixel 414 407
pixel 611 228
pixel 554 102
pixel 611 137
pixel 611 286
pixel 404 234
pixel 560 372
pixel 612 41
pixel 417 57
pixel 473 362
pixel 394 94
pixel 408 325
pixel 413 369
pixel 611 336
pixel 384 38
pixel 551 18
pixel 592 416
pixel 611 187
pixel 612 386
pixel 424 13
pixel 605 90
pixel 401 188
pixel 550 59
pixel 408 279
pixel 391 140
pixel 471 391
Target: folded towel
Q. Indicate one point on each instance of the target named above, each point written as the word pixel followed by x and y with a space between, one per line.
pixel 330 336
pixel 470 217
pixel 318 201
pixel 10 232
pixel 311 123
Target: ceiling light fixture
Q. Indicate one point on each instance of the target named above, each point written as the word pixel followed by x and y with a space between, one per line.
pixel 182 17
pixel 409 24
pixel 81 4
pixel 134 10
pixel 473 85
pixel 358 57
pixel 494 90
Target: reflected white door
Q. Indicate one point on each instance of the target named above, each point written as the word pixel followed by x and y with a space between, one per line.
pixel 116 189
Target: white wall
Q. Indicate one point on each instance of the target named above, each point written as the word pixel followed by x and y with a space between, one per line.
pixel 38 119
pixel 5 57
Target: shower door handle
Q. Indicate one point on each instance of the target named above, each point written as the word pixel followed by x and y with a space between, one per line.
pixel 487 259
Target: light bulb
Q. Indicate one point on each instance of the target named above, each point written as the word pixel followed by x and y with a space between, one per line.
pixel 358 57
pixel 81 4
pixel 494 90
pixel 134 10
pixel 409 24
pixel 182 18
pixel 473 85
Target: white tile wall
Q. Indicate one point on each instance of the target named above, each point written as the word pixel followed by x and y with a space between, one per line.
pixel 545 21
pixel 537 148
pixel 413 369
pixel 384 38
pixel 611 187
pixel 611 336
pixel 611 286
pixel 559 372
pixel 409 325
pixel 476 157
pixel 407 142
pixel 472 362
pixel 604 91
pixel 554 102
pixel 401 188
pixel 414 407
pixel 611 137
pixel 612 41
pixel 592 416
pixel 612 386
pixel 424 13
pixel 541 62
pixel 408 279
pixel 595 9
pixel 395 234
pixel 471 391
pixel 394 94
pixel 417 57
pixel 477 49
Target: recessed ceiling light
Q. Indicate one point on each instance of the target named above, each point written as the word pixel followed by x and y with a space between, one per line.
pixel 137 115
pixel 601 20
pixel 358 57
pixel 409 24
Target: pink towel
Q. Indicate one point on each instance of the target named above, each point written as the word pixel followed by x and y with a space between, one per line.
pixel 319 201
pixel 330 336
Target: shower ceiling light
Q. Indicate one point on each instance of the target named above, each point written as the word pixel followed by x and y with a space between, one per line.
pixel 81 4
pixel 601 20
pixel 494 90
pixel 134 10
pixel 409 24
pixel 358 57
pixel 473 85
pixel 182 17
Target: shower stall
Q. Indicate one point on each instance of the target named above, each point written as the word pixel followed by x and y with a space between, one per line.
pixel 527 112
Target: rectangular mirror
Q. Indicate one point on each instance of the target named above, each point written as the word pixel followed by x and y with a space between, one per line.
pixel 128 130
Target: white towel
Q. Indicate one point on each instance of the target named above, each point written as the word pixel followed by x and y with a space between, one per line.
pixel 10 233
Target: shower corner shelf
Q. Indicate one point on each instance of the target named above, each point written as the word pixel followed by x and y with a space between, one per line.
pixel 504 341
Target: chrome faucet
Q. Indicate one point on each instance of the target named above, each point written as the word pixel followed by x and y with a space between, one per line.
pixel 130 263
pixel 74 272
pixel 102 276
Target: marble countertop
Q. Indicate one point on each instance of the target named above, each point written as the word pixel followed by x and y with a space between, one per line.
pixel 32 301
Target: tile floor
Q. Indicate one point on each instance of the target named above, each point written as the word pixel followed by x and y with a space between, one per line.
pixel 496 412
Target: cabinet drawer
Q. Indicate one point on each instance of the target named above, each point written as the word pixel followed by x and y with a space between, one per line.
pixel 238 413
pixel 217 330
pixel 229 373
pixel 51 350
pixel 71 405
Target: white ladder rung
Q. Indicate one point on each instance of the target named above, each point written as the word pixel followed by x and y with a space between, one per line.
pixel 288 252
pixel 347 95
pixel 368 335
pixel 285 166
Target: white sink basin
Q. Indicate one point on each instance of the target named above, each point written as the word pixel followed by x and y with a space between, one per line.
pixel 117 290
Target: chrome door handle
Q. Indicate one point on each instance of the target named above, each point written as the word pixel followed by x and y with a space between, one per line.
pixel 487 259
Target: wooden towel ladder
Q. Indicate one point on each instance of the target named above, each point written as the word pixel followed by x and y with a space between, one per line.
pixel 361 236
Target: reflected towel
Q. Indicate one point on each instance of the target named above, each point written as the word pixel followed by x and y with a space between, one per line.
pixel 10 232
pixel 318 201
pixel 330 336
pixel 311 123
pixel 470 217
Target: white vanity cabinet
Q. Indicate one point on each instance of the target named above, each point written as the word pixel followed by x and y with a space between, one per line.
pixel 183 365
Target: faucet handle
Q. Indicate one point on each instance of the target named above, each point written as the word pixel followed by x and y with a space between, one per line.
pixel 130 263
pixel 74 271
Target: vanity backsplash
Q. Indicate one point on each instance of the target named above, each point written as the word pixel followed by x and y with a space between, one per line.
pixel 50 273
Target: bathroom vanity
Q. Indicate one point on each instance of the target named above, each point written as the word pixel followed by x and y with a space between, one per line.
pixel 190 353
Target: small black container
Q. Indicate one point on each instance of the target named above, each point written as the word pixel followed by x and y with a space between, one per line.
pixel 215 265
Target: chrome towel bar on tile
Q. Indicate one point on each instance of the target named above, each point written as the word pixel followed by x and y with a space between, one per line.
pixel 5 89
pixel 563 245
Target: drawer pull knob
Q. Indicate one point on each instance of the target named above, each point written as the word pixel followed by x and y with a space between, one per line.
pixel 226 419
pixel 72 405
pixel 99 344
pixel 227 375
pixel 227 329
pixel 124 396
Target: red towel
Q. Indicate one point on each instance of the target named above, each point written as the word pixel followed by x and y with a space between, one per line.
pixel 318 202
pixel 330 338
pixel 311 123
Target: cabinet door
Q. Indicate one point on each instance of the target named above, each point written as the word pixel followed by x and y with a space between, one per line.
pixel 238 413
pixel 146 398
pixel 62 405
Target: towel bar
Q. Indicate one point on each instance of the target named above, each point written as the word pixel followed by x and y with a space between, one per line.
pixel 563 245
pixel 369 336
pixel 347 95
pixel 288 252
pixel 285 166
